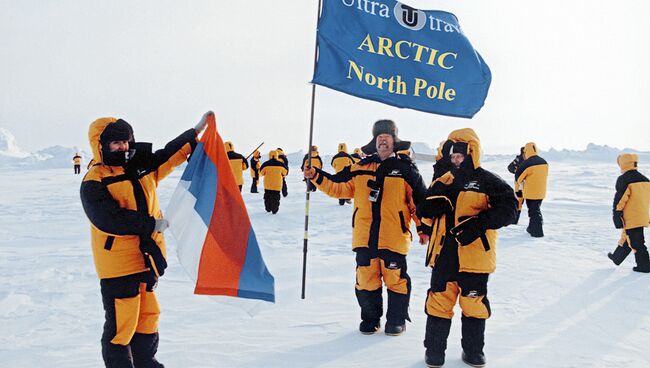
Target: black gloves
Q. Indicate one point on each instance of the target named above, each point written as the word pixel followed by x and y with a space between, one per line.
pixel 153 257
pixel 617 217
pixel 433 207
pixel 468 230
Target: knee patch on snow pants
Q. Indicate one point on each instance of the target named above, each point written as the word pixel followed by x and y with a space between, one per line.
pixel 368 270
pixel 472 288
pixel 393 271
pixel 129 309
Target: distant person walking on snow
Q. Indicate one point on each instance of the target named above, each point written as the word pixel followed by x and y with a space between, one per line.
pixel 630 212
pixel 384 187
pixel 273 172
pixel 283 158
pixel 316 162
pixel 77 163
pixel 339 162
pixel 532 174
pixel 255 170
pixel 119 197
pixel 467 204
pixel 238 163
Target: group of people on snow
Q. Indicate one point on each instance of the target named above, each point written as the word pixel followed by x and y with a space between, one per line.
pixel 457 215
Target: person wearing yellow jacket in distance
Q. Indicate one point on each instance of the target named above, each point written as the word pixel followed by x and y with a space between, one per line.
pixel 357 155
pixel 119 197
pixel 383 186
pixel 532 174
pixel 76 160
pixel 467 204
pixel 339 162
pixel 283 158
pixel 315 162
pixel 255 170
pixel 273 172
pixel 631 212
pixel 238 163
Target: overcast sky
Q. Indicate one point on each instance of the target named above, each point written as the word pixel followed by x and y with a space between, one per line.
pixel 564 73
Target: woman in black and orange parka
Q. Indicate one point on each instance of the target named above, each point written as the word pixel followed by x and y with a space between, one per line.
pixel 255 170
pixel 467 204
pixel 238 163
pixel 630 212
pixel 119 197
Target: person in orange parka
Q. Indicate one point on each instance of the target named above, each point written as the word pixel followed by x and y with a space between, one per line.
pixel 238 163
pixel 119 197
pixel 77 163
pixel 316 162
pixel 273 172
pixel 339 162
pixel 255 170
pixel 357 155
pixel 532 174
pixel 631 212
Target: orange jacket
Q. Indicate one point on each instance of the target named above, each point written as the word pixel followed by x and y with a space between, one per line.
pixel 122 204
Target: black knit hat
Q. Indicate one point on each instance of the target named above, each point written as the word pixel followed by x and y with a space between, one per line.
pixel 117 131
pixel 385 127
pixel 459 147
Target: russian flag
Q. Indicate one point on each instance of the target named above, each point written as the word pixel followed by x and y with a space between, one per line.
pixel 207 215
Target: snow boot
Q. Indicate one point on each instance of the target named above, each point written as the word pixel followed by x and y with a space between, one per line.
pixel 619 255
pixel 394 329
pixel 371 310
pixel 369 327
pixel 397 313
pixel 642 261
pixel 435 340
pixel 473 340
pixel 474 360
pixel 535 226
pixel 116 356
pixel 341 202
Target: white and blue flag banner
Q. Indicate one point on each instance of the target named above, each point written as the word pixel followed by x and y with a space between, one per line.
pixel 389 52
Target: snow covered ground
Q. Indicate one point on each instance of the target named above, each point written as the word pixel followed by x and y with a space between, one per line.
pixel 556 301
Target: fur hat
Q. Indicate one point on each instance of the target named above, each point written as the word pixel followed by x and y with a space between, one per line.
pixel 385 127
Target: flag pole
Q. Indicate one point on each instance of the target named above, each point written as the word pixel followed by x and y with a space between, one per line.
pixel 258 147
pixel 311 136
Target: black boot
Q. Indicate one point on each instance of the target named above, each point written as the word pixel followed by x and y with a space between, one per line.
pixel 341 202
pixel 397 313
pixel 473 340
pixel 144 348
pixel 535 226
pixel 371 304
pixel 619 254
pixel 368 327
pixel 435 341
pixel 642 261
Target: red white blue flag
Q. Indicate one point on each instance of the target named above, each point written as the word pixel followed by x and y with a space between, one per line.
pixel 207 215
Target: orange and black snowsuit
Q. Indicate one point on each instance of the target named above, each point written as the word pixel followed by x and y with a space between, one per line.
pixel 340 161
pixel 238 163
pixel 631 212
pixel 77 163
pixel 532 174
pixel 316 162
pixel 273 172
pixel 383 193
pixel 255 170
pixel 121 203
pixel 283 158
pixel 467 205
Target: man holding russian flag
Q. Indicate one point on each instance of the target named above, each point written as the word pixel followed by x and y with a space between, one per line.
pixel 119 197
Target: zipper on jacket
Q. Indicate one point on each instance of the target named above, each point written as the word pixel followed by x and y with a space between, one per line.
pixel 354 215
pixel 109 242
pixel 402 222
pixel 486 243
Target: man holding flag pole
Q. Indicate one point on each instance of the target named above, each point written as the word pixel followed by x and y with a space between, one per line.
pixel 404 57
